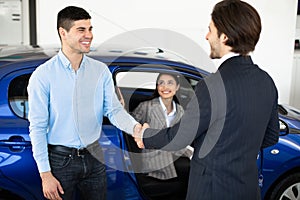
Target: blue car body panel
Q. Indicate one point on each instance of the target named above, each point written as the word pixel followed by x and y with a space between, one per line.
pixel 279 164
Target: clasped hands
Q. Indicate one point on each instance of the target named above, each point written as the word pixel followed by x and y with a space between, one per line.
pixel 138 134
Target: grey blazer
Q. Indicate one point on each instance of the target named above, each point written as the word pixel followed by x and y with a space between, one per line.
pixel 158 163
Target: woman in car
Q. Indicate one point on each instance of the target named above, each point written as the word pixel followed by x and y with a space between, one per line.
pixel 161 111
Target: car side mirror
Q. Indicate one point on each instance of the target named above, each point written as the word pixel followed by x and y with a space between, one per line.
pixel 284 128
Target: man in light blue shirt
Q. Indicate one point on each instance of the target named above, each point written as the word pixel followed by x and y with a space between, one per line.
pixel 68 97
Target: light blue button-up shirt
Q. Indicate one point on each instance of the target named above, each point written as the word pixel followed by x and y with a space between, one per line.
pixel 66 107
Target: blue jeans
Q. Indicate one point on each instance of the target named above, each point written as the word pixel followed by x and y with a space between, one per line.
pixel 84 174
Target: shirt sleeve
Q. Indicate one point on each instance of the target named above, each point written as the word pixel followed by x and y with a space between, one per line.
pixel 38 116
pixel 114 110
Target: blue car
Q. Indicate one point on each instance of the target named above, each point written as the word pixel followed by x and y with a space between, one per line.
pixel 134 74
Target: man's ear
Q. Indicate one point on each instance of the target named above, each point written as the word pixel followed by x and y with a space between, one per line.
pixel 223 38
pixel 62 32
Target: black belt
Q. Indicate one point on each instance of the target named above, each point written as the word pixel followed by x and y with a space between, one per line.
pixel 68 150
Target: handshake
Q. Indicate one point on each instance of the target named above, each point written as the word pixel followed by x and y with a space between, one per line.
pixel 138 134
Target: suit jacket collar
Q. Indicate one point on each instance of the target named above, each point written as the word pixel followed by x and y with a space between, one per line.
pixel 237 60
pixel 158 111
pixel 227 56
pixel 164 107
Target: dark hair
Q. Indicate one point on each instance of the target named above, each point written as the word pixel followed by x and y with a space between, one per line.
pixel 176 78
pixel 68 15
pixel 240 22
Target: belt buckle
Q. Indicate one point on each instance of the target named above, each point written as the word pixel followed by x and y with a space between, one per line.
pixel 78 152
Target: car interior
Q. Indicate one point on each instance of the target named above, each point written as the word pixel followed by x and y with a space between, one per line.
pixel 18 97
pixel 150 187
pixel 153 188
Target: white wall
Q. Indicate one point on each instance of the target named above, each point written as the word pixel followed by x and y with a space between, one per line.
pixel 295 85
pixel 12 17
pixel 297 34
pixel 274 52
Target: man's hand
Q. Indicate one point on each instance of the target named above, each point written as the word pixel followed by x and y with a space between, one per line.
pixel 137 133
pixel 145 126
pixel 137 128
pixel 51 186
pixel 138 137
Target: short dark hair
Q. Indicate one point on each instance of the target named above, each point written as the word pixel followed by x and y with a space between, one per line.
pixel 240 22
pixel 68 15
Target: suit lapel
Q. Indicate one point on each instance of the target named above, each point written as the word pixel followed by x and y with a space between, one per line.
pixel 158 114
pixel 179 113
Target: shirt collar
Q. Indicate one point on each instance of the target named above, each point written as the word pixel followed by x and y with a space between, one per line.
pixel 165 109
pixel 227 56
pixel 65 61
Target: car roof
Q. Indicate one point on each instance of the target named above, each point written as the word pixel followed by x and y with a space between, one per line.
pixel 21 53
pixel 106 54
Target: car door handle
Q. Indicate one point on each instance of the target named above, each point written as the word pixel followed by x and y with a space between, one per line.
pixel 15 143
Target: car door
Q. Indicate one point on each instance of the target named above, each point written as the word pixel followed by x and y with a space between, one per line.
pixel 18 171
pixel 136 84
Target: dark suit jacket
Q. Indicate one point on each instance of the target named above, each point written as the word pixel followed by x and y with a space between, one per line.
pixel 232 115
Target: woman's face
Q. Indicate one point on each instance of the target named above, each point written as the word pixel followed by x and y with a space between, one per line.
pixel 167 86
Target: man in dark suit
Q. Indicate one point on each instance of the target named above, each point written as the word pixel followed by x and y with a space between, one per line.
pixel 232 115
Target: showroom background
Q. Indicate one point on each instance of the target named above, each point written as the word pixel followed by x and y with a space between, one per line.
pixel 274 53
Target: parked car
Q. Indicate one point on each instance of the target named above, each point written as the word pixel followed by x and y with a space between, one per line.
pixel 134 74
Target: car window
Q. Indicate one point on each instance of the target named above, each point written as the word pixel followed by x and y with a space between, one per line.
pixel 134 87
pixel 139 86
pixel 143 80
pixel 18 96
